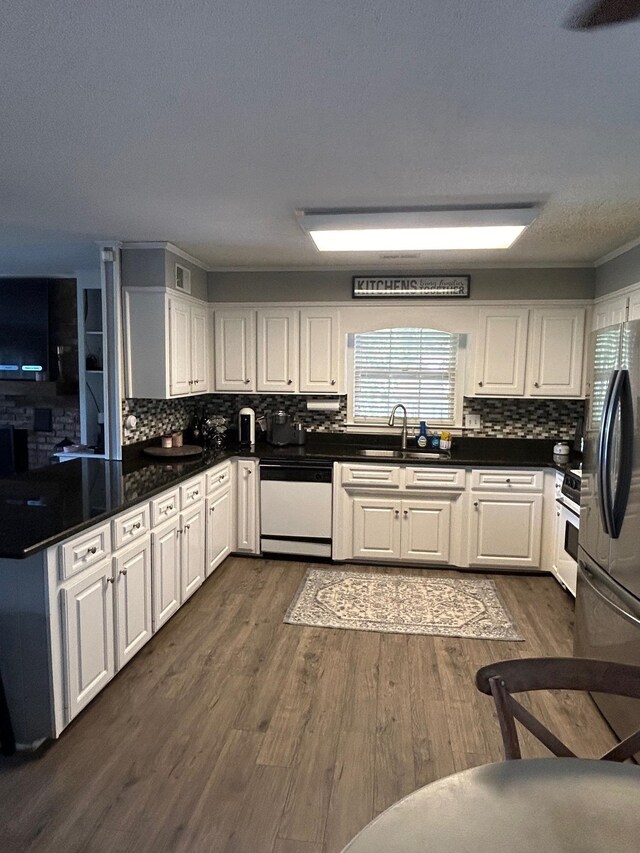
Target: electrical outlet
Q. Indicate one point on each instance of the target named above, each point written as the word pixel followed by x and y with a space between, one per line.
pixel 472 421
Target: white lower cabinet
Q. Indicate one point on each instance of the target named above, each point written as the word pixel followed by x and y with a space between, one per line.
pixel 166 571
pixel 247 506
pixel 505 530
pixel 132 580
pixel 87 629
pixel 402 529
pixel 219 529
pixel 192 549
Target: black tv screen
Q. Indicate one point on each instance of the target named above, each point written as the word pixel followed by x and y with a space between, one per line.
pixel 24 328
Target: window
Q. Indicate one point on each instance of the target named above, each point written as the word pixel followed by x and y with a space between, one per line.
pixel 416 367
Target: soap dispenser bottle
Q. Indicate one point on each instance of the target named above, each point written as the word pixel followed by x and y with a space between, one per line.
pixel 422 437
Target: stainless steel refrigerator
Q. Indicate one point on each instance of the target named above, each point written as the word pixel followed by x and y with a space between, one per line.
pixel 608 589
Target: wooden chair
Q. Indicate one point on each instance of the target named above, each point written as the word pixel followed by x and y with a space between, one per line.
pixel 502 679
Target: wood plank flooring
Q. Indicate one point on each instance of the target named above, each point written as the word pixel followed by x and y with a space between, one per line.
pixel 233 732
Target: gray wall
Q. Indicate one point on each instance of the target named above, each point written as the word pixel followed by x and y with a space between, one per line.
pixel 314 286
pixel 156 268
pixel 619 272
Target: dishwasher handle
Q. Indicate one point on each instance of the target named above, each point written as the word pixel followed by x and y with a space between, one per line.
pixel 296 473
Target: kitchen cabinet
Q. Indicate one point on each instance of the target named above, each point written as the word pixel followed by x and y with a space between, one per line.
pixel 192 549
pixel 320 351
pixel 166 571
pixel 219 529
pixel 132 583
pixel 501 351
pixel 247 520
pixel 610 313
pixel 634 306
pixel 556 352
pixel 235 348
pixel 168 347
pixel 505 529
pixel 278 362
pixel 87 635
pixel 416 530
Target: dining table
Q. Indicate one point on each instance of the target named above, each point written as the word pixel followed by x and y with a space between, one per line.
pixel 538 805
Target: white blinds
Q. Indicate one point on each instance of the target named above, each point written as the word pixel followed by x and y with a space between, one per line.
pixel 606 357
pixel 416 367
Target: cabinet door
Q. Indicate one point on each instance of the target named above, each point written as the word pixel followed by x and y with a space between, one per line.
pixel 426 530
pixel 166 572
pixel 179 347
pixel 557 342
pixel 376 528
pixel 192 550
pixel 132 570
pixel 278 351
pixel 218 529
pixel 501 351
pixel 504 530
pixel 247 506
pixel 319 351
pixel 235 334
pixel 200 350
pixel 87 609
pixel 609 313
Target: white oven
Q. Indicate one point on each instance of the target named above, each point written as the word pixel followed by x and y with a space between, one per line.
pixel 565 563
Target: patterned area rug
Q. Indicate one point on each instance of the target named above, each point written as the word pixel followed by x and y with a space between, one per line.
pixel 401 604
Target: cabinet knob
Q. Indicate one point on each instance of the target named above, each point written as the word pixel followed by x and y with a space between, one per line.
pixel 508 480
pixel 196 493
pixel 333 381
pixel 289 381
pixel 138 525
pixel 406 513
pixel 558 514
pixel 92 550
pixel 481 384
pixel 397 513
pixel 123 571
pixel 475 503
pixel 247 381
pixel 536 384
pixel 221 477
pixel 211 509
pixel 170 506
pixel 109 580
pixel 187 526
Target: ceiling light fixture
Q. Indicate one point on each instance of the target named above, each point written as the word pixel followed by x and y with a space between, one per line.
pixel 418 229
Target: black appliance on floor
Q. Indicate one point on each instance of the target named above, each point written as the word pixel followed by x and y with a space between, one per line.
pixel 14 452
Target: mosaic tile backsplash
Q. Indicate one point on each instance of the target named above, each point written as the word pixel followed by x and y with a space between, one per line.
pixel 501 418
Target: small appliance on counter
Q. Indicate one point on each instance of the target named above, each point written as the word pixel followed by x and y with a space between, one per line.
pixel 246 427
pixel 280 430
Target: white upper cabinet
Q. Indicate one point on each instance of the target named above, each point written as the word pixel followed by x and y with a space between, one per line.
pixel 556 352
pixel 235 345
pixel 501 352
pixel 320 351
pixel 609 313
pixel 278 337
pixel 168 345
pixel 634 306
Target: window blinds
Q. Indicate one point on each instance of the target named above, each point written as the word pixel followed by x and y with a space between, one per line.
pixel 416 367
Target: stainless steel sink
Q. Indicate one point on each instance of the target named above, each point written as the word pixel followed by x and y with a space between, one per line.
pixel 424 455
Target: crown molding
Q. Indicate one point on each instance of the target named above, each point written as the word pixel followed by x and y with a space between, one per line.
pixel 626 247
pixel 170 247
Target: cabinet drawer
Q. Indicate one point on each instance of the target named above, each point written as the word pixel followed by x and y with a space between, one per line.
pixel 218 477
pixel 434 478
pixel 132 525
pixel 85 550
pixel 191 492
pixel 371 475
pixel 164 507
pixel 502 480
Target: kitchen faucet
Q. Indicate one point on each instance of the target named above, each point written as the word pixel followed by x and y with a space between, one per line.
pixel 404 422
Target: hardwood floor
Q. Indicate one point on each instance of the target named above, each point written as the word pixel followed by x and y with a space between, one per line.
pixel 233 732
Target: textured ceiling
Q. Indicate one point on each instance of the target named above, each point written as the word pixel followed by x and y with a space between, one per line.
pixel 208 123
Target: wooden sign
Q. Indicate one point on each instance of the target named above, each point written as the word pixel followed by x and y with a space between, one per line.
pixel 410 286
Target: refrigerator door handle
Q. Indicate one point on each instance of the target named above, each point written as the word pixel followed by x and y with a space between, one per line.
pixel 623 399
pixel 604 458
pixel 600 583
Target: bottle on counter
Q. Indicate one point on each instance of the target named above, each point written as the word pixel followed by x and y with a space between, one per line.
pixel 422 440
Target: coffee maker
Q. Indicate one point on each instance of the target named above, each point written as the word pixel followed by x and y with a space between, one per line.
pixel 280 430
pixel 246 427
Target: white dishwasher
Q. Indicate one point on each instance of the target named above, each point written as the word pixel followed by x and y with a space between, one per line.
pixel 295 508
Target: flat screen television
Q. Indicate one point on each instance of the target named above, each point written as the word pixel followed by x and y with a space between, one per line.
pixel 24 328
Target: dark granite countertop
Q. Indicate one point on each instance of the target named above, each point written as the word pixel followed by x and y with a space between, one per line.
pixel 46 505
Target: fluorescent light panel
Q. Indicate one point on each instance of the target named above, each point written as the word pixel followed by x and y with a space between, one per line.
pixel 417 230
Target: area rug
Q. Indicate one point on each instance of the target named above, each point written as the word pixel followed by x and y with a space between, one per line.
pixel 401 604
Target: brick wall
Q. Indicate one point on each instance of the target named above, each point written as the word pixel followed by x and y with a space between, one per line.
pixel 65 423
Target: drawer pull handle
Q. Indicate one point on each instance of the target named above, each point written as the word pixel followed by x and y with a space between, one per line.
pixel 169 507
pixel 221 477
pixel 508 480
pixel 137 525
pixel 92 550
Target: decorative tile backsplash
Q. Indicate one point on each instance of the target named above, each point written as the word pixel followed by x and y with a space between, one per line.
pixel 501 418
